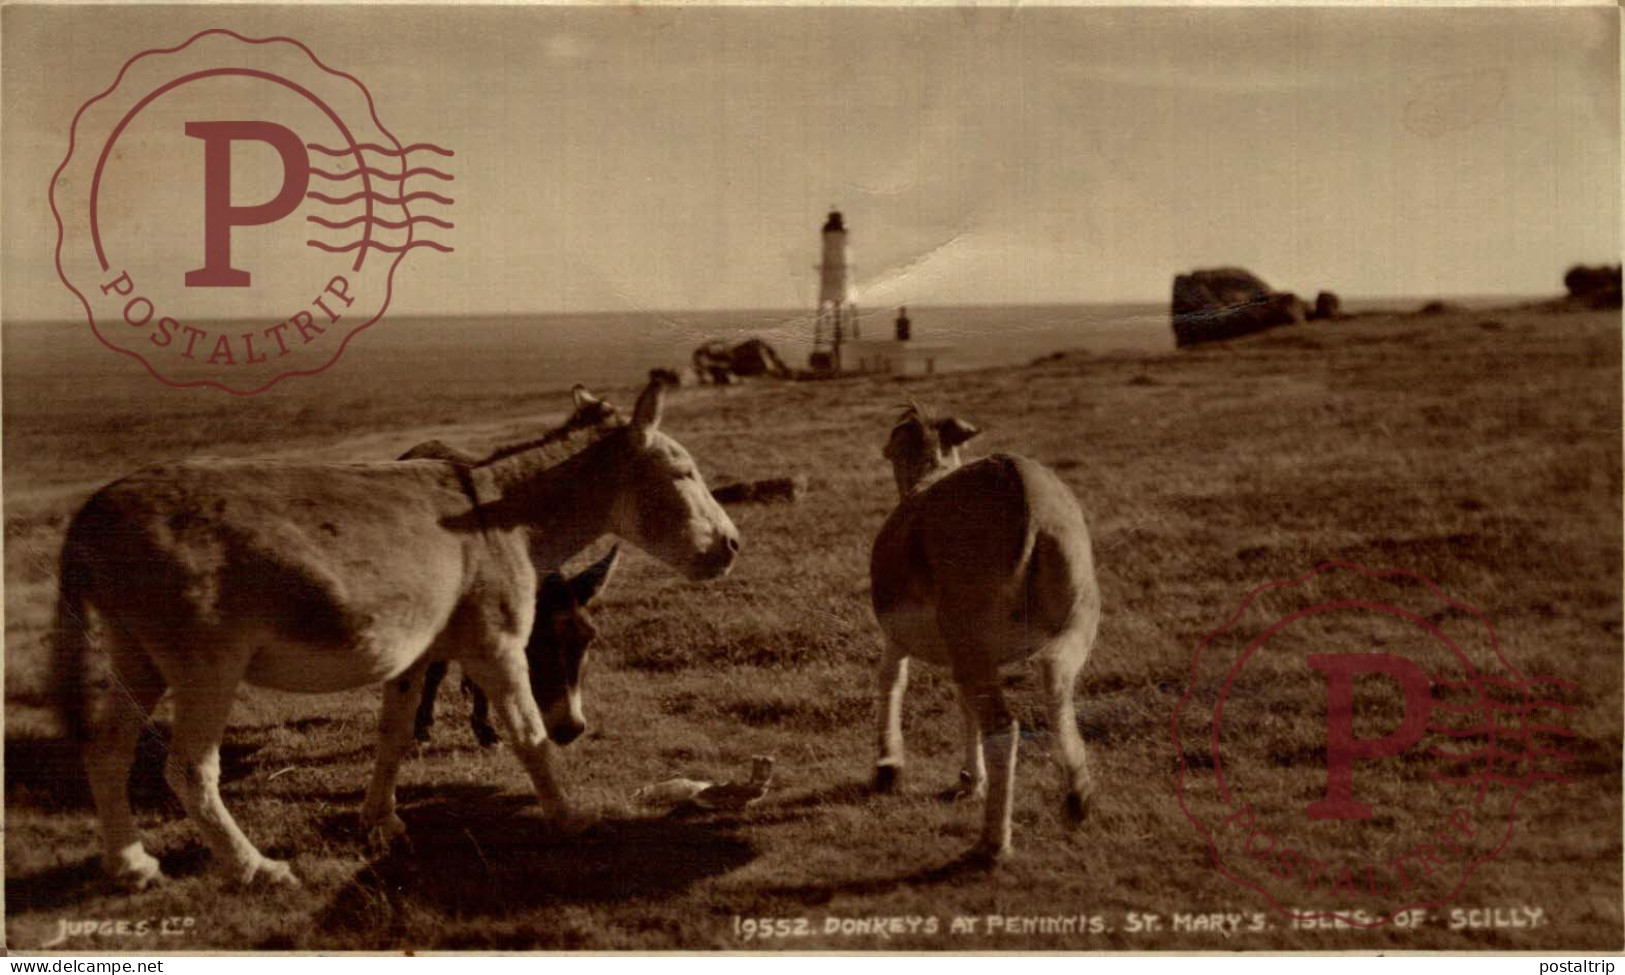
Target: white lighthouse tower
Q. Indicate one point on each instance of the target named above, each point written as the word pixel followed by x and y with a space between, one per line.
pixel 837 318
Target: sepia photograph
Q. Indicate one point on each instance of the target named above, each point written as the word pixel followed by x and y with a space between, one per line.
pixel 806 479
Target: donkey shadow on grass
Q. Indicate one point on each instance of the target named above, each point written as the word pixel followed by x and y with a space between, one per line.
pixel 69 884
pixel 47 773
pixel 472 852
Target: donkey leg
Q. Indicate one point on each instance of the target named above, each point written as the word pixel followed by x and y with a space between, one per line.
pixel 506 681
pixel 480 719
pixel 969 631
pixel 973 774
pixel 108 756
pixel 193 771
pixel 1060 679
pixel 1000 734
pixel 893 681
pixel 395 732
pixel 432 677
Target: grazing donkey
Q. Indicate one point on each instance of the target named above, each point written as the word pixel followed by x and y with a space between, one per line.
pixel 320 577
pixel 978 567
pixel 556 649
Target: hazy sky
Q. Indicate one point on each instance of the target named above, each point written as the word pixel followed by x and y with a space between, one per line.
pixel 654 158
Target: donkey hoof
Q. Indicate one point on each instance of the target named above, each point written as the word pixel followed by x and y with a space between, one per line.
pixel 136 872
pixel 888 777
pixel 968 788
pixel 421 734
pixel 988 854
pixel 275 873
pixel 386 833
pixel 566 824
pixel 486 736
pixel 1077 807
pixel 269 874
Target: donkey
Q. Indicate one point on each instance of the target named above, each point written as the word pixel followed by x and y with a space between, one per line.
pixel 556 652
pixel 979 567
pixel 556 649
pixel 319 577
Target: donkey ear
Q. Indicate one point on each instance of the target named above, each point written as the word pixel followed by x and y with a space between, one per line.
pixel 646 415
pixel 955 431
pixel 586 586
pixel 583 399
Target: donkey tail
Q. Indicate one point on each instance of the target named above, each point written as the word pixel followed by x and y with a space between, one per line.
pixel 1061 589
pixel 71 646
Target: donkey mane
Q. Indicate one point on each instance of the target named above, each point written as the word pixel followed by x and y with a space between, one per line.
pixel 583 428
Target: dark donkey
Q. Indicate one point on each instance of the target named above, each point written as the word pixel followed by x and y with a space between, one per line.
pixel 556 648
pixel 557 652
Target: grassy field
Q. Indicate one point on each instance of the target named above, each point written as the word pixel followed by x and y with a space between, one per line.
pixel 1481 449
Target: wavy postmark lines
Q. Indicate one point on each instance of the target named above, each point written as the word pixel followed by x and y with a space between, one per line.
pixel 231 211
pixel 376 199
pixel 1353 744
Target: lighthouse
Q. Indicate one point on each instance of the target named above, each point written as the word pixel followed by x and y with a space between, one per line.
pixel 836 321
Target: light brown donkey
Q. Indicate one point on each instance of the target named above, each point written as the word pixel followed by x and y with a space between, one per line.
pixel 556 650
pixel 978 567
pixel 321 577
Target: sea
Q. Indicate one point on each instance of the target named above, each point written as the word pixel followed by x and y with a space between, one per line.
pixel 539 352
pixel 617 349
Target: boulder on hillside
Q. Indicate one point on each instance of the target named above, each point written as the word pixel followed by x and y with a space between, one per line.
pixel 1327 307
pixel 721 362
pixel 1439 308
pixel 1223 303
pixel 753 357
pixel 1594 287
pixel 764 491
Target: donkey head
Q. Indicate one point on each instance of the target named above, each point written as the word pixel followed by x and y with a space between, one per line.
pixel 663 505
pixel 922 448
pixel 558 645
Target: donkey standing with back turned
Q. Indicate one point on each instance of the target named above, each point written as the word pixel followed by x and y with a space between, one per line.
pixel 978 567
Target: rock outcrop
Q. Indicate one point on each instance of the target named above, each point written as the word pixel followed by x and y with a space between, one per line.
pixel 763 491
pixel 1224 303
pixel 1594 287
pixel 721 362
pixel 1327 307
pixel 1439 308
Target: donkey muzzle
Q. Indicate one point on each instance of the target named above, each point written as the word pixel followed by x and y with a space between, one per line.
pixel 721 557
pixel 567 732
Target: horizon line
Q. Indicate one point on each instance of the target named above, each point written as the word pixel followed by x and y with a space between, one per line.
pixel 873 309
